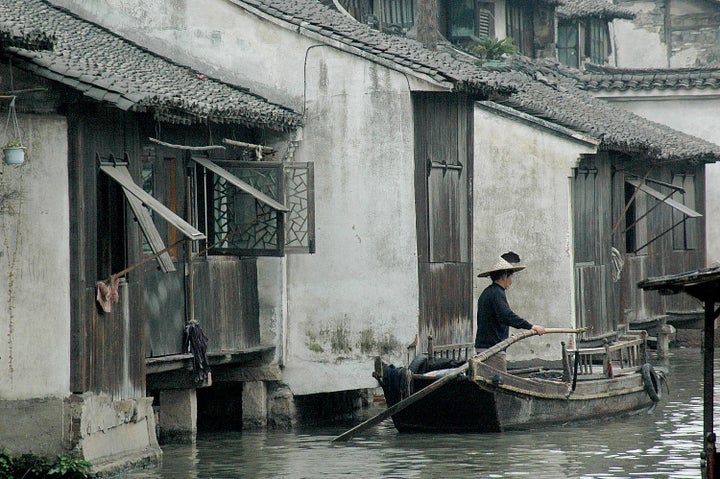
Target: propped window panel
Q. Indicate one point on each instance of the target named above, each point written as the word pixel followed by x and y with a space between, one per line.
pixel 685 235
pixel 242 185
pixel 681 211
pixel 243 213
pixel 138 199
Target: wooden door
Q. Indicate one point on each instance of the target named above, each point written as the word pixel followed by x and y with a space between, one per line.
pixel 443 160
pixel 592 207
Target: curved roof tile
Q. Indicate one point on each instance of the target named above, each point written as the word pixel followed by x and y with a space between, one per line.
pixel 555 97
pixel 597 78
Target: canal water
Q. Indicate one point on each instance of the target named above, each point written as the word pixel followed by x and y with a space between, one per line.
pixel 665 443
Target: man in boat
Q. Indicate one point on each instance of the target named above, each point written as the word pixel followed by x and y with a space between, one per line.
pixel 494 316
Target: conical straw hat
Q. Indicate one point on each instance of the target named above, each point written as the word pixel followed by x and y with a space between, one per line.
pixel 501 264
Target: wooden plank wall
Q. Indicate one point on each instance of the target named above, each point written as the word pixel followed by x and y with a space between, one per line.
pixel 107 348
pixel 446 303
pixel 660 257
pixel 165 312
pixel 227 303
pixel 443 133
pixel 595 301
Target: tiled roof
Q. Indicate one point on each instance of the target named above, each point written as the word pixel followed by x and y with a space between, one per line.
pixel 554 97
pixel 574 9
pixel 133 78
pixel 600 78
pixel 108 68
pixel 522 84
pixel 311 17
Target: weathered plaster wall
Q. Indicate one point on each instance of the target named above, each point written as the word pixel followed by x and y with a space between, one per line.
pixel 358 295
pixel 34 260
pixel 525 170
pixel 688 36
pixel 697 114
pixel 640 43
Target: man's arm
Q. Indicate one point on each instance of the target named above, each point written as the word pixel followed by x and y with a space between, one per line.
pixel 507 315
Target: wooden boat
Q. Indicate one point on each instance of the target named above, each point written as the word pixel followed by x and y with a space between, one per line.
pixel 594 382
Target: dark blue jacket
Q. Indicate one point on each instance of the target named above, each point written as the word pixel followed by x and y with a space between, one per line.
pixel 494 317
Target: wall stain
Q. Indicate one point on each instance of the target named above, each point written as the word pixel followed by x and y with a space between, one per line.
pixel 312 344
pixel 8 199
pixel 340 341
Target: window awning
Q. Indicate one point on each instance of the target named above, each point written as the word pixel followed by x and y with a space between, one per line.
pixel 120 173
pixel 237 182
pixel 689 212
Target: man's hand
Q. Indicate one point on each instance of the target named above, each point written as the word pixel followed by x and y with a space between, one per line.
pixel 538 329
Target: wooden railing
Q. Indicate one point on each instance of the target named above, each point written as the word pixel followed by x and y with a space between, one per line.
pixel 625 354
pixel 460 351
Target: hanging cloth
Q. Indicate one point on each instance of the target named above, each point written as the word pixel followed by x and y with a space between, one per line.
pixel 196 344
pixel 107 293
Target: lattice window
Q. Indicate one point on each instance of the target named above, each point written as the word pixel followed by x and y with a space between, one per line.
pixel 260 208
pixel 300 220
pixel 249 226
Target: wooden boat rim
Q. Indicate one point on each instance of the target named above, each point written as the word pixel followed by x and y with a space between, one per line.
pixel 577 395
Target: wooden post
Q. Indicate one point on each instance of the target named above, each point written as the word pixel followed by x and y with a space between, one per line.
pixel 709 358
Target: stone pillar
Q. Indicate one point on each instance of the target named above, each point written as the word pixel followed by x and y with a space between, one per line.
pixel 254 405
pixel 178 415
pixel 663 339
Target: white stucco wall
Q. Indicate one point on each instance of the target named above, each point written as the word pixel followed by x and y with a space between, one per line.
pixel 35 261
pixel 357 296
pixel 696 113
pixel 526 170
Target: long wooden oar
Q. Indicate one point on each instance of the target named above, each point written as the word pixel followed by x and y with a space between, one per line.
pixel 452 374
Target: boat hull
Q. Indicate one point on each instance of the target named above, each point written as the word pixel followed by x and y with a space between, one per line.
pixel 488 400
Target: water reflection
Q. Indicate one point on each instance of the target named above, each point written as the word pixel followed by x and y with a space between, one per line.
pixel 663 444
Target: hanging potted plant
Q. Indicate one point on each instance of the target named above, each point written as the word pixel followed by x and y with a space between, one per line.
pixel 14 153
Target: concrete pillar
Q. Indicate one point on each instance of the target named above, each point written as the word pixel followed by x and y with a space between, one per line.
pixel 178 415
pixel 254 405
